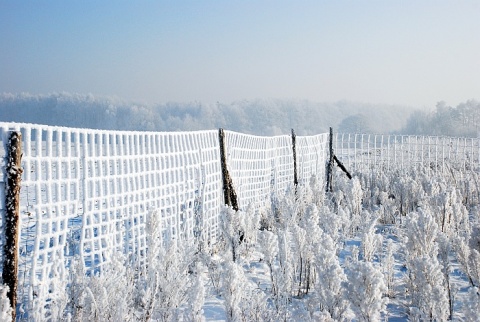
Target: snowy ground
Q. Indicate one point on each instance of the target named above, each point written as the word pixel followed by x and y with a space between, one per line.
pixel 397 246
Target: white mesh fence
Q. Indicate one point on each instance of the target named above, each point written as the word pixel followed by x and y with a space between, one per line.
pixel 258 166
pixel 87 192
pixel 312 154
pixel 360 151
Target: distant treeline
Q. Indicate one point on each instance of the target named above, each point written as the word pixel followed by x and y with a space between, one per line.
pixel 259 117
pixel 460 121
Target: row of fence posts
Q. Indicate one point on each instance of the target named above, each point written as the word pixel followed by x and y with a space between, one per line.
pixel 13 172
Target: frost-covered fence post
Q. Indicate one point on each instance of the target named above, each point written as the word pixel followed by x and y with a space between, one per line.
pixel 330 163
pixel 228 191
pixel 294 150
pixel 13 175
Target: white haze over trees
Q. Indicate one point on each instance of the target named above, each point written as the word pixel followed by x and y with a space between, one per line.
pixel 463 120
pixel 260 117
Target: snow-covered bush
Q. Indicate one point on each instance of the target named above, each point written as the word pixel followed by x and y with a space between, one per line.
pixel 196 298
pixel 421 231
pixel 472 304
pixel 388 266
pixel 163 286
pixel 329 294
pixel 365 290
pixel 371 241
pixel 426 288
pixel 5 308
pixel 231 230
pixel 243 301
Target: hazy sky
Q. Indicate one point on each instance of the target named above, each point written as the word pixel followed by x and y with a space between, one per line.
pixel 396 52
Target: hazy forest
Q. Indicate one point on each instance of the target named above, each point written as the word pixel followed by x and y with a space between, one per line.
pixel 259 117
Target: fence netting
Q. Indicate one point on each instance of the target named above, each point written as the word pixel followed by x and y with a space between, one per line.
pixel 363 151
pixel 88 193
pixel 262 166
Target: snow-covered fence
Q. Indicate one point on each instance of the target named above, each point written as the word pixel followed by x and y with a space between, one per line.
pixel 260 166
pixel 360 151
pixel 87 193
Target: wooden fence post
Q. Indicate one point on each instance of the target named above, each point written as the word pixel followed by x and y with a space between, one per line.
pixel 12 212
pixel 228 190
pixel 330 163
pixel 294 148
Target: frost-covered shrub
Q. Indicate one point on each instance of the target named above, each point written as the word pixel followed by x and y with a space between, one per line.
pixel 104 297
pixel 284 272
pixel 164 281
pixel 58 298
pixel 5 308
pixel 371 241
pixel 242 301
pixel 421 230
pixel 387 208
pixel 426 288
pixel 196 298
pixel 249 224
pixel 50 296
pixel 329 296
pixel 365 290
pixel 388 267
pixel 472 304
pixel 334 224
pixel 232 225
pixel 444 251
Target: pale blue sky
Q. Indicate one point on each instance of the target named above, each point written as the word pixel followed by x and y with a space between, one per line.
pixel 395 52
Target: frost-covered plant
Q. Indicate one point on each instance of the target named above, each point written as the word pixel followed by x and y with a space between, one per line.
pixel 230 228
pixel 407 193
pixel 365 290
pixel 426 288
pixel 248 226
pixel 105 296
pixel 254 306
pixel 355 196
pixel 164 279
pixel 474 267
pixel 347 197
pixel 444 251
pixel 58 298
pixel 300 257
pixel 463 251
pixel 317 190
pixel 421 231
pixel 388 263
pixel 328 297
pixel 285 271
pixel 371 241
pixel 333 224
pixel 5 308
pixel 388 209
pixel 196 297
pixel 472 304
pixel 50 296
pixel 233 290
pixel 268 242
